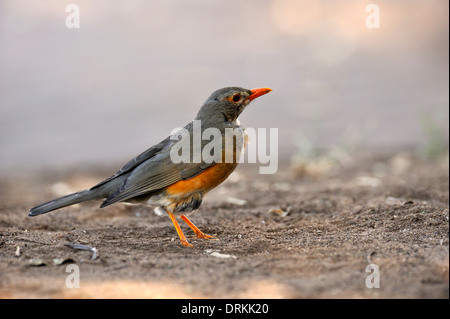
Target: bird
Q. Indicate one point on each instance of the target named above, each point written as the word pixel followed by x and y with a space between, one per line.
pixel 173 187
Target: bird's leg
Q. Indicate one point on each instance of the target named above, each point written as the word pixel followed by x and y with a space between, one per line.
pixel 197 231
pixel 183 239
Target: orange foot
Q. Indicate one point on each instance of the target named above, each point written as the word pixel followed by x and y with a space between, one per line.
pixel 197 231
pixel 185 243
pixel 183 239
pixel 204 236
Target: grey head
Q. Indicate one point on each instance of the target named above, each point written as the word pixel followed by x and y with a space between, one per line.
pixel 227 104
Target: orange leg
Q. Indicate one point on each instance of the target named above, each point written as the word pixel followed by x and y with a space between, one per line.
pixel 183 239
pixel 197 231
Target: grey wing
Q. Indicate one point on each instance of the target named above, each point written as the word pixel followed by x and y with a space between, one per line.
pixel 150 173
pixel 138 160
pixel 154 174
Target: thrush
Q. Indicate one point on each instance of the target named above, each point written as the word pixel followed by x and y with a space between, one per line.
pixel 175 187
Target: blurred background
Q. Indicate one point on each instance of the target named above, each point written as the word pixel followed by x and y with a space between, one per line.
pixel 134 70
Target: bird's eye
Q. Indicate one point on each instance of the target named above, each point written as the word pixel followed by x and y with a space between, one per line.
pixel 236 97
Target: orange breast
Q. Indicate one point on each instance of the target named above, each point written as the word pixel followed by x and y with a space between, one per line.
pixel 203 182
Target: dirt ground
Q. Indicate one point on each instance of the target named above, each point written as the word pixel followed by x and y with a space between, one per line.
pixel 292 237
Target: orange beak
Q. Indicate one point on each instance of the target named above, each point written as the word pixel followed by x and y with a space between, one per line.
pixel 258 92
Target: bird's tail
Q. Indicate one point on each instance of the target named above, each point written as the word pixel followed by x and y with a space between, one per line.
pixel 64 201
